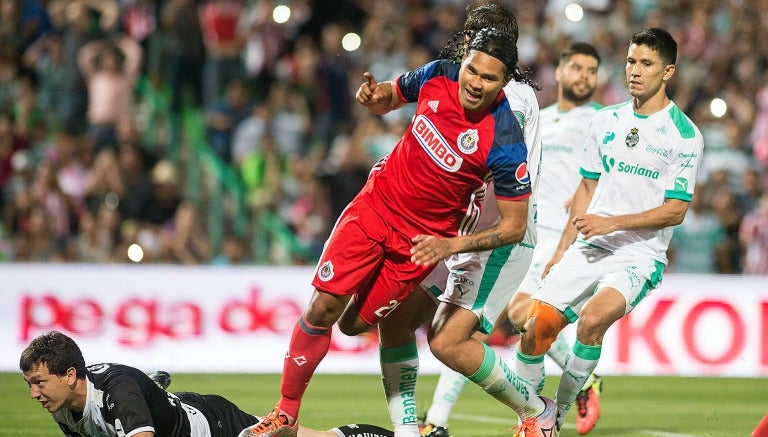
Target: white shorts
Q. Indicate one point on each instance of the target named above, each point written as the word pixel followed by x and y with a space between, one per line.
pixel 481 282
pixel 584 269
pixel 542 254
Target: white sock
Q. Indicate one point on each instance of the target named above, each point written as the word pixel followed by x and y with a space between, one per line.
pixel 499 381
pixel 399 370
pixel 579 366
pixel 530 369
pixel 449 387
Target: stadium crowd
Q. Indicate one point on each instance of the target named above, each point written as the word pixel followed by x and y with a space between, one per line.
pixel 81 181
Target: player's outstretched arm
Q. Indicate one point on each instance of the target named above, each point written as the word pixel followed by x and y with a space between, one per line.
pixel 379 97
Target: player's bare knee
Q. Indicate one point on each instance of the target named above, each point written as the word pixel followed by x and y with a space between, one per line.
pixel 325 309
pixel 591 328
pixel 442 347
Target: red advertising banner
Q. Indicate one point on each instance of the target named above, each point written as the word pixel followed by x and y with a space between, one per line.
pixel 210 319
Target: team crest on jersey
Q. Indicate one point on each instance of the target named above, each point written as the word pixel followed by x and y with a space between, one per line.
pixel 468 140
pixel 521 174
pixel 325 272
pixel 435 145
pixel 632 138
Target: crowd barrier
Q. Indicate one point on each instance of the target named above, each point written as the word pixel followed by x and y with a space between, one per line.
pixel 239 319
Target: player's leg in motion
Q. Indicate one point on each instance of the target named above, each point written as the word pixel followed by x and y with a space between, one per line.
pixel 517 311
pixel 597 315
pixel 589 395
pixel 449 386
pixel 309 344
pixel 400 360
pixel 451 342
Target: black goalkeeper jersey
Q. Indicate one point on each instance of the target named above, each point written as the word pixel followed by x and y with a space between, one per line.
pixel 121 401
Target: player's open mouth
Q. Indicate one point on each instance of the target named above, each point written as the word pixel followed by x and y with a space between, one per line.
pixel 472 96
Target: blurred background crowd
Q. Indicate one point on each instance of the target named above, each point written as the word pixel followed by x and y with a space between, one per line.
pixel 226 131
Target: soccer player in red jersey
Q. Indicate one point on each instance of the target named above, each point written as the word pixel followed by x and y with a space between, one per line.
pixel 462 135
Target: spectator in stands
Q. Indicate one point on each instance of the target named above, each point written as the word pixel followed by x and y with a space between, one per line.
pixel 92 244
pixel 69 155
pixel 304 209
pixel 111 70
pixel 166 197
pixel 222 117
pixel 261 173
pixel 697 240
pixel 249 133
pixel 223 45
pixel 184 239
pixel 10 143
pixel 350 158
pixel 314 65
pixel 233 252
pixel 139 20
pixel 46 193
pixel 36 241
pixel 724 201
pixel 45 57
pixel 77 32
pixel 29 113
pixel 753 184
pixel 331 112
pixel 124 175
pixel 9 69
pixel 753 235
pixel 291 121
pixel 11 36
pixel 263 43
pixel 183 51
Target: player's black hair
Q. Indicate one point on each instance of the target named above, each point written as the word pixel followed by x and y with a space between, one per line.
pixel 486 16
pixel 491 15
pixel 57 351
pixel 579 48
pixel 498 44
pixel 659 40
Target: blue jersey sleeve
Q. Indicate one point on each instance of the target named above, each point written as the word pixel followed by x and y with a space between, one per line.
pixel 410 83
pixel 508 157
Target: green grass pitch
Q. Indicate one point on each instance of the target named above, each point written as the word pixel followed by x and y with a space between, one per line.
pixel 632 406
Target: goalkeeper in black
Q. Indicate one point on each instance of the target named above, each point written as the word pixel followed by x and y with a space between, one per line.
pixel 115 400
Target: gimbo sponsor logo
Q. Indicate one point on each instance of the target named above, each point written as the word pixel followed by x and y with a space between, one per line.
pixel 435 145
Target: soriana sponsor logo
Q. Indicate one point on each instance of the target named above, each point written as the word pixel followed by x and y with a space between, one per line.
pixel 435 145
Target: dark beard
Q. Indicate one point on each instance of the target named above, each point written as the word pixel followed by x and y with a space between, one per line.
pixel 577 99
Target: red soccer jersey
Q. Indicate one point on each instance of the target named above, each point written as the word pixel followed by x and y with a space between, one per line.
pixel 434 179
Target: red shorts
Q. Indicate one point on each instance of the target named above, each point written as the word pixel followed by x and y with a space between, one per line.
pixel 368 258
